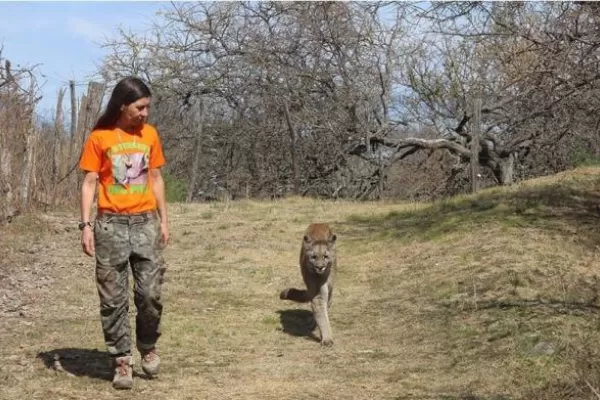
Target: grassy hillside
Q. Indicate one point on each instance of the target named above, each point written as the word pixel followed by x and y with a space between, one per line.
pixel 493 296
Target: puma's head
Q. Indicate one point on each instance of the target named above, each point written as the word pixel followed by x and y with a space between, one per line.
pixel 319 249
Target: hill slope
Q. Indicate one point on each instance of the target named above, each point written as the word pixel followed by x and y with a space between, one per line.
pixel 493 296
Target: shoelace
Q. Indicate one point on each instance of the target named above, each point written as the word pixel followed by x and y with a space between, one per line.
pixel 123 368
pixel 149 357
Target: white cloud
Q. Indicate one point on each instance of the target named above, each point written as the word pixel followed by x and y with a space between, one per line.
pixel 89 30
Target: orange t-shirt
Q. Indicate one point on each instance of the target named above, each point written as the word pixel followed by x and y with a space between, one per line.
pixel 122 161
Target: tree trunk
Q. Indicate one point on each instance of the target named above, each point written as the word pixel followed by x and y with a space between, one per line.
pixel 475 132
pixel 197 154
pixel 6 192
pixel 508 170
pixel 292 132
pixel 30 143
pixel 58 128
pixel 72 129
pixel 28 166
pixel 504 170
pixel 7 204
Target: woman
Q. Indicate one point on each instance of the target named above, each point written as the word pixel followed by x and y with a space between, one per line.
pixel 123 155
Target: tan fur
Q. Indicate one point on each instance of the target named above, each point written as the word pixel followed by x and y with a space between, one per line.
pixel 318 265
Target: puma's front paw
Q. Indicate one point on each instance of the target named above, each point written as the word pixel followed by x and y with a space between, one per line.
pixel 327 342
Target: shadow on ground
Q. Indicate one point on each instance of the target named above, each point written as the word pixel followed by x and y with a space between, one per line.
pixel 567 207
pixel 82 362
pixel 297 322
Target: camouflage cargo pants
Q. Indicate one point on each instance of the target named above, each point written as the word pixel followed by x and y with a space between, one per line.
pixel 124 241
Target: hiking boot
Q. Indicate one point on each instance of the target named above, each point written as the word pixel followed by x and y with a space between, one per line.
pixel 123 378
pixel 150 362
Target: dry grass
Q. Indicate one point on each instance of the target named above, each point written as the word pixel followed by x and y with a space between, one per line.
pixel 486 297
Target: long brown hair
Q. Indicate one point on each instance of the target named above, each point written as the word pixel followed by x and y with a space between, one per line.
pixel 127 91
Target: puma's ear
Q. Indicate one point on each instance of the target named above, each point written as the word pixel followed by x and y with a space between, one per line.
pixel 332 237
pixel 306 243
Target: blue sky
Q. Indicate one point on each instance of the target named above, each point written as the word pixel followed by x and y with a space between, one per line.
pixel 64 38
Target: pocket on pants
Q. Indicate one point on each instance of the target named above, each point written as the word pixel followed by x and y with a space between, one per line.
pixel 104 227
pixel 145 238
pixel 111 241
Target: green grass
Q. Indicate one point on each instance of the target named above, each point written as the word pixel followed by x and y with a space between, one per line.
pixel 486 296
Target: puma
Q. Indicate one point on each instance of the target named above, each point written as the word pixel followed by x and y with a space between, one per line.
pixel 317 265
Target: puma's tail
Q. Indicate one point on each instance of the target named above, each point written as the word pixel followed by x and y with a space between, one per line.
pixel 297 295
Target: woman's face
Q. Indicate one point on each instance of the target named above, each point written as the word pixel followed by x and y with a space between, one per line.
pixel 136 113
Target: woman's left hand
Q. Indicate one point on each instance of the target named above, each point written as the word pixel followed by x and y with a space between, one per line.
pixel 164 234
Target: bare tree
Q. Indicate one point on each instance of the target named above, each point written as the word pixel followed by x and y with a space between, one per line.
pixel 323 98
pixel 532 64
pixel 18 97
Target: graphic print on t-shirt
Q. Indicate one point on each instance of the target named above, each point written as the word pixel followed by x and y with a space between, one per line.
pixel 129 169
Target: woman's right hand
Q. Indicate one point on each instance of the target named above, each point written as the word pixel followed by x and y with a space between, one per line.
pixel 87 241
